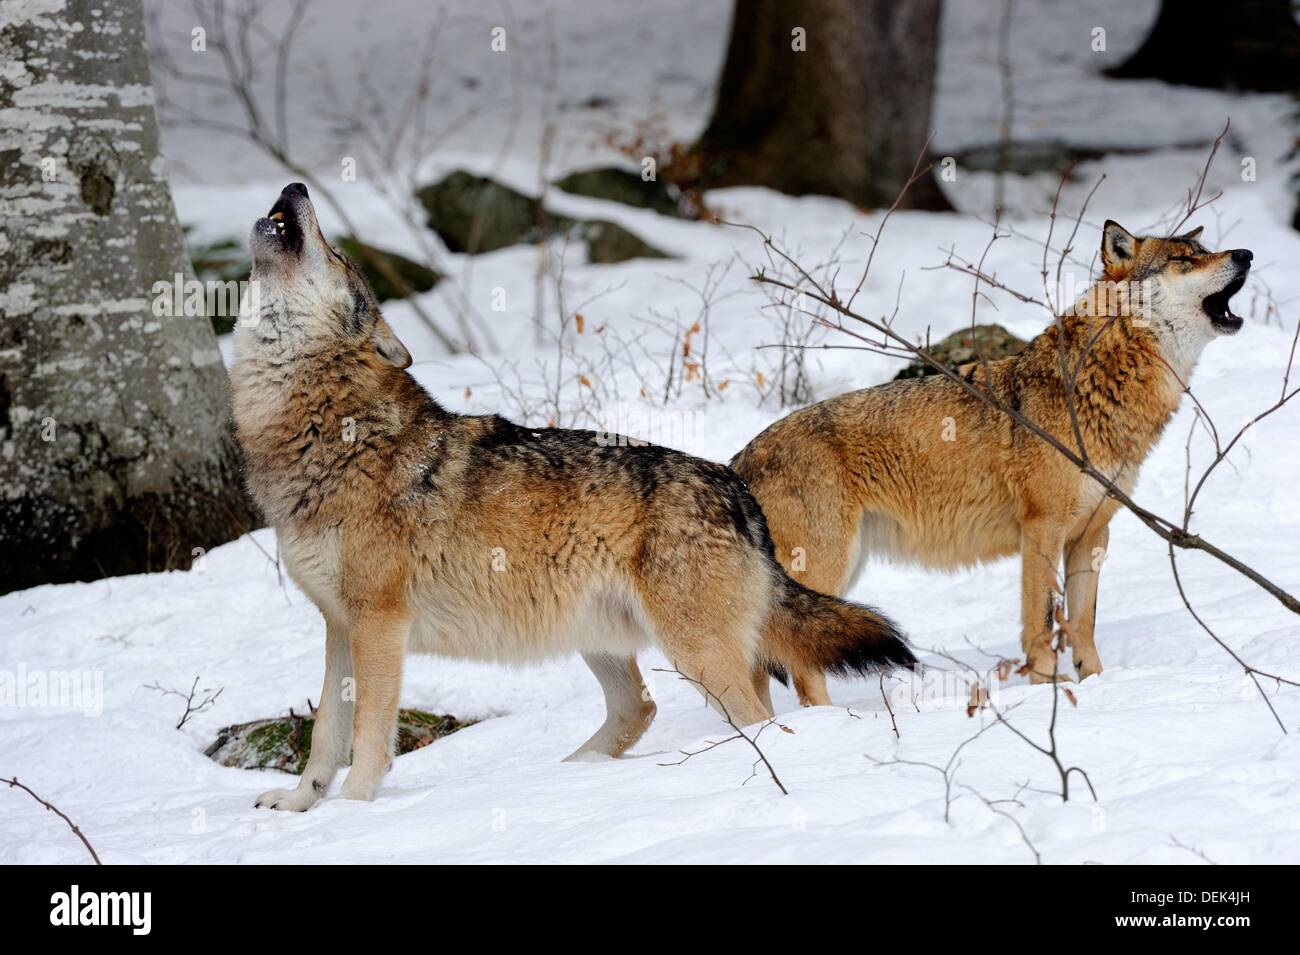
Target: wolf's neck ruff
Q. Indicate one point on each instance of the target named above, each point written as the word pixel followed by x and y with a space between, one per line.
pixel 1138 305
pixel 1117 383
pixel 310 422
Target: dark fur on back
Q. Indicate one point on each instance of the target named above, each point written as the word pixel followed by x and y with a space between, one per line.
pixel 719 497
pixel 807 628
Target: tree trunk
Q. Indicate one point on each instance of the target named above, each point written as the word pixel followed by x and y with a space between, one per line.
pixel 1248 45
pixel 116 454
pixel 846 117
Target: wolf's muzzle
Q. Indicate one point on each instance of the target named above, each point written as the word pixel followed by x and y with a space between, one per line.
pixel 280 230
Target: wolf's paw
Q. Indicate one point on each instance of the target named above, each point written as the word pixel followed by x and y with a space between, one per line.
pixel 290 800
pixel 1086 667
pixel 360 788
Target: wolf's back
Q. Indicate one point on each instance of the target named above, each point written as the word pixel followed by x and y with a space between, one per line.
pixel 808 630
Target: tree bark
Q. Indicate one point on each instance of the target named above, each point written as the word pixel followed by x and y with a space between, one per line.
pixel 1247 45
pixel 116 454
pixel 846 117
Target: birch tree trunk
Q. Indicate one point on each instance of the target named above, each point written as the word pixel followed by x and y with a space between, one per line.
pixel 116 454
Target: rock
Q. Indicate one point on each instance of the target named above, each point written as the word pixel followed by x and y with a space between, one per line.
pixel 476 214
pixel 619 185
pixel 957 349
pixel 285 742
pixel 418 278
pixel 459 202
pixel 608 243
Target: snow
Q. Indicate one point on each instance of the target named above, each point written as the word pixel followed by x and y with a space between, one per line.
pixel 1185 757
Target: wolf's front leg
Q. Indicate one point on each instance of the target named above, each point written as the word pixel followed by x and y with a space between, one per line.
pixel 1041 543
pixel 1082 566
pixel 331 736
pixel 378 644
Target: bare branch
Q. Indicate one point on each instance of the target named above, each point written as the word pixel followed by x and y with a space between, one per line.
pixel 15 784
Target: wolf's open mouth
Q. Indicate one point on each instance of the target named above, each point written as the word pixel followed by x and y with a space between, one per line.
pixel 281 227
pixel 1216 306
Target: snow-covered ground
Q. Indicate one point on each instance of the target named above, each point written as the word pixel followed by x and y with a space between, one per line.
pixel 1185 757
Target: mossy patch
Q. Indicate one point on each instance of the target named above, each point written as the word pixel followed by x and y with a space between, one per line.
pixel 284 743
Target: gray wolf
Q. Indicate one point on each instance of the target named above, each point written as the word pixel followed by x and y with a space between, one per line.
pixel 920 470
pixel 412 527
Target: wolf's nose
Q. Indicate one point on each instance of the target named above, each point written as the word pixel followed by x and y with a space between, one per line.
pixel 298 189
pixel 1242 256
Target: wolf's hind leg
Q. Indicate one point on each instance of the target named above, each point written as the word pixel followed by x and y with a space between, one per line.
pixel 829 566
pixel 331 738
pixel 763 689
pixel 704 600
pixel 719 669
pixel 726 684
pixel 1040 554
pixel 1082 569
pixel 629 710
pixel 810 685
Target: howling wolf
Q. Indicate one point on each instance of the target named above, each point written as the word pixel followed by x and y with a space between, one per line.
pixel 410 526
pixel 921 470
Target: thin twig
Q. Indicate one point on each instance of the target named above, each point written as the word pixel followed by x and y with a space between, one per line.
pixel 15 784
pixel 739 733
pixel 191 708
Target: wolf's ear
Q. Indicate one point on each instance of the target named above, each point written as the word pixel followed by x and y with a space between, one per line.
pixel 1189 236
pixel 1117 245
pixel 390 349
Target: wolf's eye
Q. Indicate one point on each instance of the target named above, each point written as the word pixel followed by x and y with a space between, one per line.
pixel 1181 258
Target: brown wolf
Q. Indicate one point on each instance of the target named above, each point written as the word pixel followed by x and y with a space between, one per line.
pixel 410 526
pixel 920 470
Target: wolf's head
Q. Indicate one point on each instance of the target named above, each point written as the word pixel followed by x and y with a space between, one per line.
pixel 311 297
pixel 1185 288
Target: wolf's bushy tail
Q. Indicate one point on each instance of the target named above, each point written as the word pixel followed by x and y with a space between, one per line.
pixel 808 630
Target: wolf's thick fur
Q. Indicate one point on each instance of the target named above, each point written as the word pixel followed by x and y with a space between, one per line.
pixel 920 470
pixel 411 526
